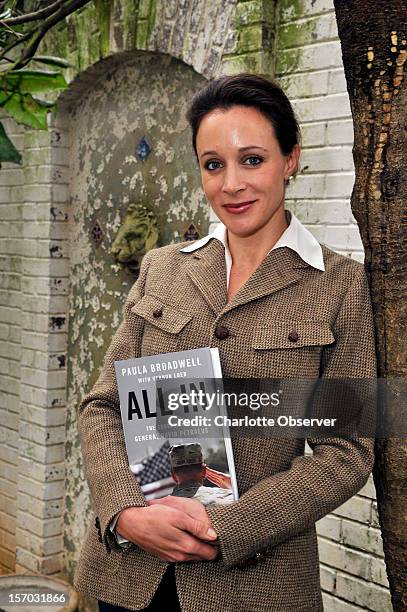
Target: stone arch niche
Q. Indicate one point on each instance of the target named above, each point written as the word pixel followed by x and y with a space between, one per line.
pixel 132 98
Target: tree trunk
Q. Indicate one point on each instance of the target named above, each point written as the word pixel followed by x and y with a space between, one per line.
pixel 373 36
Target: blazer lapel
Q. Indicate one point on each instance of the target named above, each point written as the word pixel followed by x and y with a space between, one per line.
pixel 207 270
pixel 279 269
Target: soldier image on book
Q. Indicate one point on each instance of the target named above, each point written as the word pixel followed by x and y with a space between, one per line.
pixel 189 471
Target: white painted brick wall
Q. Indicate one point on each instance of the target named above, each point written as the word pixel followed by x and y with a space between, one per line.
pixel 33 292
pixel 353 573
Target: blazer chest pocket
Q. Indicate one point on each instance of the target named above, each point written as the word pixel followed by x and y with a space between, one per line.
pixel 290 348
pixel 164 324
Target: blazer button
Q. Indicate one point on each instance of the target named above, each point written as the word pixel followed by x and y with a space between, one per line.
pixel 293 336
pixel 221 332
pixel 157 313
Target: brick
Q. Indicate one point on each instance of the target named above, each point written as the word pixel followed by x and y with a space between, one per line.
pixel 10 212
pixel 378 574
pixel 37 193
pixel 51 564
pixel 8 471
pixel 290 10
pixel 362 593
pixel 39 546
pixel 51 212
pixel 313 134
pixel 42 360
pixel 356 508
pixel 313 30
pixel 310 84
pixel 337 81
pixel 326 159
pixel 307 186
pixel 37 157
pixel 45 398
pixel 7 559
pixel 329 527
pixel 343 558
pixel 36 230
pixel 29 211
pixel 60 193
pixel 254 61
pixel 7 540
pixel 352 561
pixel 8 454
pixel 8 488
pixel 41 453
pixel 57 342
pixel 43 416
pixel 12 401
pixel 10 176
pixel 10 435
pixel 375 515
pixel 41 528
pixel 9 419
pixel 44 266
pixel 327 577
pixel 332 604
pixel 321 212
pixel 368 490
pixel 249 12
pixel 338 237
pixel 7 522
pixel 42 435
pixel 312 57
pixel 17 194
pixel 45 304
pixel 27 560
pixel 339 132
pixel 329 107
pixel 53 508
pixel 5 194
pixel 339 185
pixel 358 256
pixel 8 505
pixel 36 139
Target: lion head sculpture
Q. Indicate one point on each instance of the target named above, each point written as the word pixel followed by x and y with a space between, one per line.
pixel 137 235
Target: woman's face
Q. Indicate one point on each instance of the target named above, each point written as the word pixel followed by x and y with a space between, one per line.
pixel 242 168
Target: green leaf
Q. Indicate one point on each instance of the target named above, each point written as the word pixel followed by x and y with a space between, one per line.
pixel 8 152
pixel 33 81
pixel 59 62
pixel 25 109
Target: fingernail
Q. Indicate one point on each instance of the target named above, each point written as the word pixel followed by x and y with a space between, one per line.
pixel 212 533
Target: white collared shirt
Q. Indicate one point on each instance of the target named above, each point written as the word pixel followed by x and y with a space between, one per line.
pixel 295 237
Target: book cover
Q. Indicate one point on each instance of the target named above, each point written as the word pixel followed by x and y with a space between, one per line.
pixel 194 462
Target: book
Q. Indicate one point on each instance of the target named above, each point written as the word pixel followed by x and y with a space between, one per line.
pixel 182 460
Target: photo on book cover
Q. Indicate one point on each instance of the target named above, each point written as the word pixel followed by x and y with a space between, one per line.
pixel 197 463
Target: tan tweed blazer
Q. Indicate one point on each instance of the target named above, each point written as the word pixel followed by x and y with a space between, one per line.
pixel 282 491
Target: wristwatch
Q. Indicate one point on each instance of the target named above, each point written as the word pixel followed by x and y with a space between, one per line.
pixel 121 541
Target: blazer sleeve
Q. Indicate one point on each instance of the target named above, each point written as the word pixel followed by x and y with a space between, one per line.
pixel 289 502
pixel 112 485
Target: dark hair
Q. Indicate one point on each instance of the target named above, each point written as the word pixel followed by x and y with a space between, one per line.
pixel 248 90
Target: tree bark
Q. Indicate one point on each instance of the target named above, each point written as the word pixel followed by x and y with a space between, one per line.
pixel 373 36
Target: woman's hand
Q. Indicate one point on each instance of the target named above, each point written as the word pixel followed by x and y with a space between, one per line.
pixel 218 478
pixel 168 532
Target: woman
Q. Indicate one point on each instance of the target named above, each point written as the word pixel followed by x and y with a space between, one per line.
pixel 277 304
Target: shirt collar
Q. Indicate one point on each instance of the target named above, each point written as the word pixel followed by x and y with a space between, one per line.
pixel 295 237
